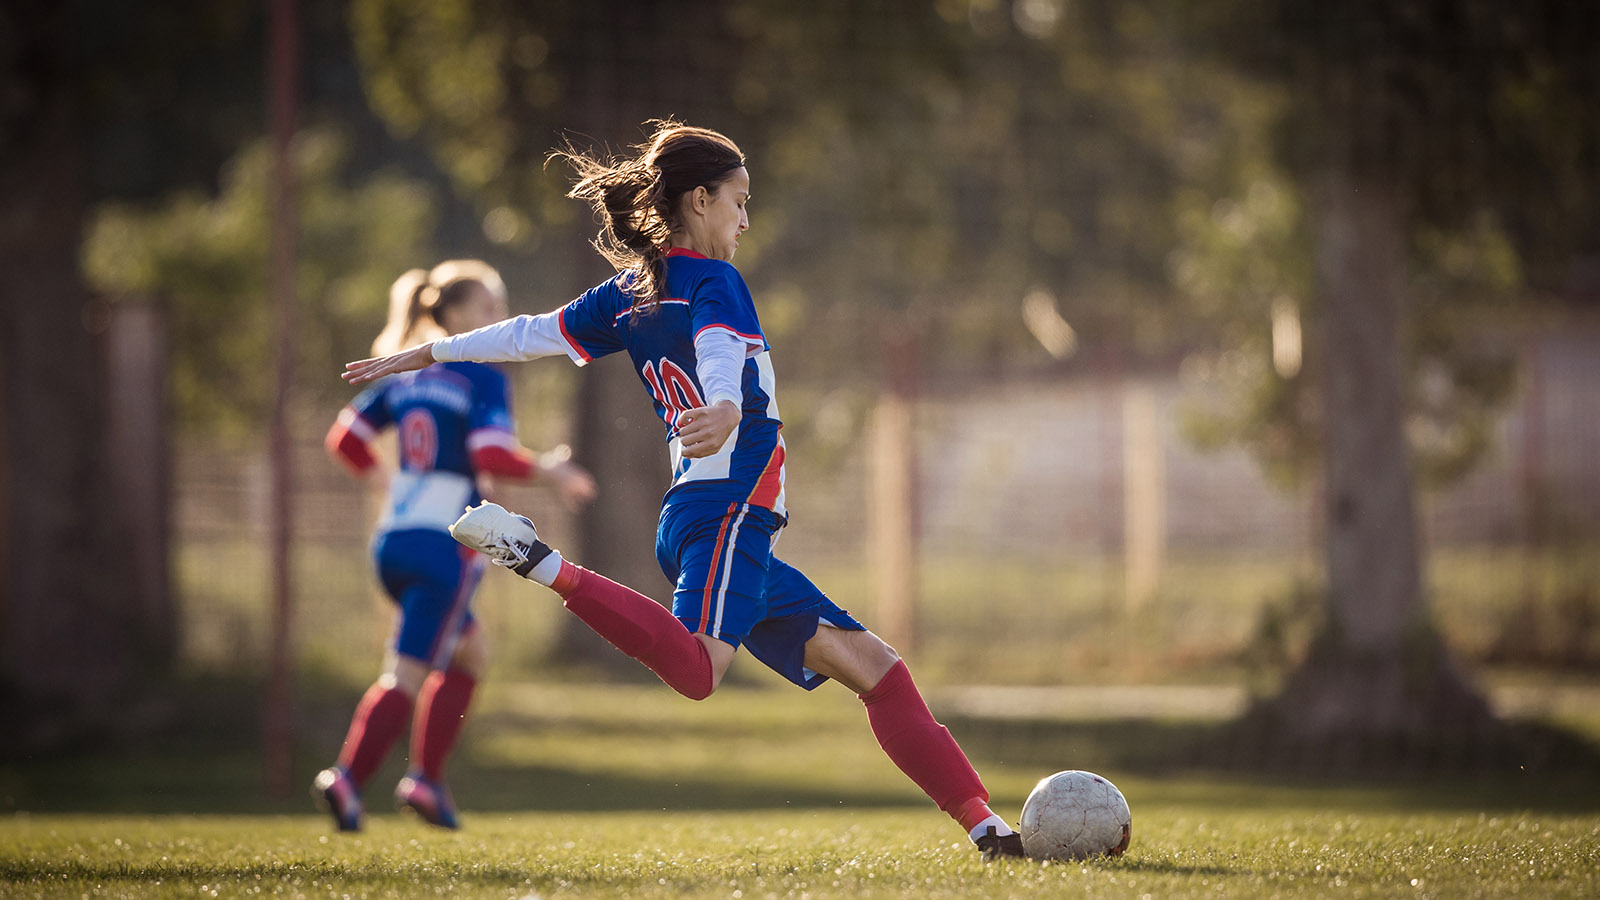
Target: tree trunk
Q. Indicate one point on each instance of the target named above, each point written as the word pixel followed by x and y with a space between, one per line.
pixel 1374 564
pixel 72 653
pixel 1378 689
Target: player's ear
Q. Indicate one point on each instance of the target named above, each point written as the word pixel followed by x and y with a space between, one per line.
pixel 700 199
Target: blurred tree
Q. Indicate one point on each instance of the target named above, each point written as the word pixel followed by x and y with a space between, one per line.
pixel 1416 135
pixel 206 257
pixel 125 100
pixel 91 96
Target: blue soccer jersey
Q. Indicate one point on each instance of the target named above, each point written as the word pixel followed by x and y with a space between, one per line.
pixel 700 294
pixel 442 414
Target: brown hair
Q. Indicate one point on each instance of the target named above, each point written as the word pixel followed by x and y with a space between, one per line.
pixel 419 297
pixel 636 197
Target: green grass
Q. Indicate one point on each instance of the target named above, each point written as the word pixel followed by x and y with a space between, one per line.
pixel 1297 849
pixel 584 791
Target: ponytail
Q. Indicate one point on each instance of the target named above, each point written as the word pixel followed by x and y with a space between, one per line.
pixel 419 297
pixel 405 313
pixel 636 198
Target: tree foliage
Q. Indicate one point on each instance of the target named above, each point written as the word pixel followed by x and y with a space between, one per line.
pixel 204 257
pixel 1467 112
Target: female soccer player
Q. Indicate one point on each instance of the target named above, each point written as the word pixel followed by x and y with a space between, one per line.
pixel 455 431
pixel 671 219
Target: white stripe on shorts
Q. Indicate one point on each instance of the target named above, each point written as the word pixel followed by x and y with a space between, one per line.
pixel 727 569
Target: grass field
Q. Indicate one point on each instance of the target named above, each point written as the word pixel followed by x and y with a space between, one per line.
pixel 632 792
pixel 1278 849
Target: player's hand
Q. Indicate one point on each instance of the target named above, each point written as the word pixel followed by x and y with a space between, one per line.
pixel 575 485
pixel 379 477
pixel 703 430
pixel 364 370
pixel 572 481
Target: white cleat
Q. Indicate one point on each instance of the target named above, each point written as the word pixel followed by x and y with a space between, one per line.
pixel 506 538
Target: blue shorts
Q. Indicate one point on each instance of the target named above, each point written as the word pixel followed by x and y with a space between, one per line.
pixel 728 585
pixel 431 578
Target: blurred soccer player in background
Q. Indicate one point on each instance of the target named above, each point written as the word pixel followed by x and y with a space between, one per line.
pixel 455 432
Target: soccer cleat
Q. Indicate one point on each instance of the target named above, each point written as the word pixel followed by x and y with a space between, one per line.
pixel 994 846
pixel 431 802
pixel 336 794
pixel 506 538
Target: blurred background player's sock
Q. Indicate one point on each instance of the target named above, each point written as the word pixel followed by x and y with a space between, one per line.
pixel 924 749
pixel 441 710
pixel 379 720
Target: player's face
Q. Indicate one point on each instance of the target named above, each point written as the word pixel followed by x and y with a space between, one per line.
pixel 725 217
pixel 478 308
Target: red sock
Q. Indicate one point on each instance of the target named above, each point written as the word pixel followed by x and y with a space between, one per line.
pixel 639 627
pixel 441 711
pixel 924 749
pixel 379 719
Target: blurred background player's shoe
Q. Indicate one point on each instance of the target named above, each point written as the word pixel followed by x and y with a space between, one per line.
pixel 506 538
pixel 431 802
pixel 995 846
pixel 336 795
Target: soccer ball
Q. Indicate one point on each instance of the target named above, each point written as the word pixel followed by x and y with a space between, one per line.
pixel 1075 815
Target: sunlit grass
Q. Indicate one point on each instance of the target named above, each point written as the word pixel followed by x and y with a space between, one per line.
pixel 587 791
pixel 1188 851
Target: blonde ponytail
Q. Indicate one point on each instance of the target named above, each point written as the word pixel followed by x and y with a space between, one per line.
pixel 419 296
pixel 405 325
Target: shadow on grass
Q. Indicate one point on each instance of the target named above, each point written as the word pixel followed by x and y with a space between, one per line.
pixel 208 762
pixel 538 788
pixel 231 784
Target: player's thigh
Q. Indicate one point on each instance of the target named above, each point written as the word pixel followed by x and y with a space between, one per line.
pixel 720 553
pixel 432 579
pixel 472 651
pixel 856 659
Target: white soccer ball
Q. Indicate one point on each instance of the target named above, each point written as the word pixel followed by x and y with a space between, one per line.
pixel 1075 815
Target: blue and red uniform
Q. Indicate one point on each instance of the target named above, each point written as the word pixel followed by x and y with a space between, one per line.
pixel 722 513
pixel 699 345
pixel 453 423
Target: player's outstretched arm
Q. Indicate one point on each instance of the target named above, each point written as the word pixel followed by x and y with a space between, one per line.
pixel 364 370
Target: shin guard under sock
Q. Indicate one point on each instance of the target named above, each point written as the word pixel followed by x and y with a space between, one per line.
pixel 924 749
pixel 441 710
pixel 379 720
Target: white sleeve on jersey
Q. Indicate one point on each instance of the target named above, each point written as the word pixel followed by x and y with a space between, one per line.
pixel 719 364
pixel 509 340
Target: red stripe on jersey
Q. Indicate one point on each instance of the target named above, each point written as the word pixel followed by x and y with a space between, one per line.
pixel 684 251
pixel 711 576
pixel 348 448
pixel 664 301
pixel 770 484
pixel 561 320
pixel 751 338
